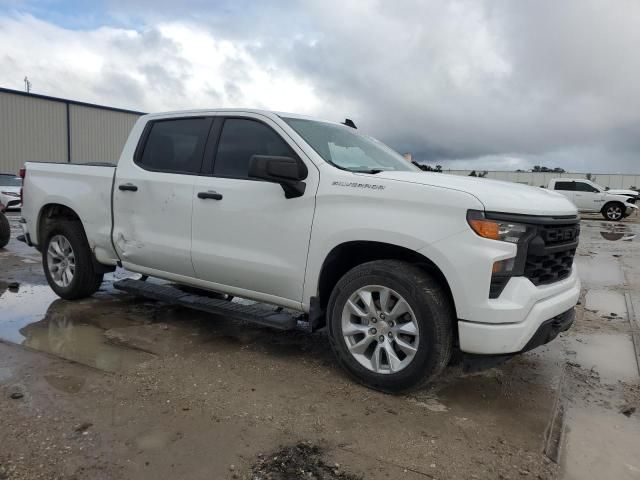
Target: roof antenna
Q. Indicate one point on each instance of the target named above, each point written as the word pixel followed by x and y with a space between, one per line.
pixel 349 123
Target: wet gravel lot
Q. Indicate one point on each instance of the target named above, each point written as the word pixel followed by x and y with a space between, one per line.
pixel 120 387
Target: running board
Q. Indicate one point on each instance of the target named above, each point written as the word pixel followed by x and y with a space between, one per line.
pixel 258 313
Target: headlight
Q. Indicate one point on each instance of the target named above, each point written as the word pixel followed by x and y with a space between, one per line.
pixel 10 194
pixel 495 229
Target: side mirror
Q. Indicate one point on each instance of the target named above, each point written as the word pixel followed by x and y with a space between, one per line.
pixel 288 172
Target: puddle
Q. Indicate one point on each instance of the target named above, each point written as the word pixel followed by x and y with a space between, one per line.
pixel 601 444
pixel 606 302
pixel 599 271
pixel 65 383
pixel 60 335
pixel 19 309
pixel 615 232
pixel 37 318
pixel 612 356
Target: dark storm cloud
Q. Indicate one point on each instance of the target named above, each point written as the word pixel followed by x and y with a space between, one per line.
pixel 543 81
pixel 472 79
pixel 465 83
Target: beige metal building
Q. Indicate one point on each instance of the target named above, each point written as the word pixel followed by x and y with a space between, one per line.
pixel 42 128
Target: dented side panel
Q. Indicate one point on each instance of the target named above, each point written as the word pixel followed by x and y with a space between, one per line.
pixel 152 225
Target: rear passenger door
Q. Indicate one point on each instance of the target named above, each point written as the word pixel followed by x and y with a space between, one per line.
pixel 153 196
pixel 248 239
pixel 566 188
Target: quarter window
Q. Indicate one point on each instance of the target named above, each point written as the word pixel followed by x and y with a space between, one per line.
pixel 242 138
pixel 176 145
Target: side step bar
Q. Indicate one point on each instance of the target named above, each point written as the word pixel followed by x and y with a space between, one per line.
pixel 258 313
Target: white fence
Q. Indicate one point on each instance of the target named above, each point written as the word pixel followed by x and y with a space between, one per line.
pixel 611 180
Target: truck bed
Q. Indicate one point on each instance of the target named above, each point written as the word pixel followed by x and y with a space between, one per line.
pixel 85 188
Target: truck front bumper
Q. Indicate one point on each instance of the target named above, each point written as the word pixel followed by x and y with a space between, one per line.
pixel 542 322
pixel 630 209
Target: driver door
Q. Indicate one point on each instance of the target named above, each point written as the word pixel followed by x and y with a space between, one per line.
pixel 587 197
pixel 246 235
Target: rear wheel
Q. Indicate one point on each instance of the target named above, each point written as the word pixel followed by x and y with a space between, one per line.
pixel 613 211
pixel 390 325
pixel 5 231
pixel 68 263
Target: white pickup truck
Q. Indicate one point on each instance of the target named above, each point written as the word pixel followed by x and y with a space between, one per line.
pixel 591 197
pixel 322 225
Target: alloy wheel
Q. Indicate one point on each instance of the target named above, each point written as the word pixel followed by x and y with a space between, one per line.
pixel 61 260
pixel 380 329
pixel 614 212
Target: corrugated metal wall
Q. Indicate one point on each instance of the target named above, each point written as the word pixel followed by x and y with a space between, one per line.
pixel 98 135
pixel 34 128
pixel 31 129
pixel 538 179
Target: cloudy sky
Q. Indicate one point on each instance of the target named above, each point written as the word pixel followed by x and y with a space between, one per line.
pixel 495 84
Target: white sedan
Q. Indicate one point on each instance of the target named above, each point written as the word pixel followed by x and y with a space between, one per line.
pixel 10 192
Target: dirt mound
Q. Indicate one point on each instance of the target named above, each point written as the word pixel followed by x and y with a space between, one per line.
pixel 303 460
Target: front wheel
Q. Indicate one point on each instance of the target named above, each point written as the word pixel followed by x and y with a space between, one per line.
pixel 390 325
pixel 613 211
pixel 68 262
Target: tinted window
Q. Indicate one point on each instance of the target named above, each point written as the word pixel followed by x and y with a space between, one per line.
pixel 240 140
pixel 565 186
pixel 584 187
pixel 176 145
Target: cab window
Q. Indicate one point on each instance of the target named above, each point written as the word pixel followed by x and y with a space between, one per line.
pixel 585 187
pixel 175 146
pixel 567 186
pixel 240 139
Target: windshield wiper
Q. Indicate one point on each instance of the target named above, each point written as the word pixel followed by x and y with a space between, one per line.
pixel 371 170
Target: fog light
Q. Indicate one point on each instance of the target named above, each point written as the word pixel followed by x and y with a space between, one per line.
pixel 503 266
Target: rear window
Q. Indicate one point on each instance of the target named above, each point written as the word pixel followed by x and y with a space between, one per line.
pixel 570 186
pixel 175 145
pixel 10 181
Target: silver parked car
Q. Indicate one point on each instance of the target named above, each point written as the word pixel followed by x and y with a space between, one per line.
pixel 10 192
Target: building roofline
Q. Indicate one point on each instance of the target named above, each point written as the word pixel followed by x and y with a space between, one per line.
pixel 69 102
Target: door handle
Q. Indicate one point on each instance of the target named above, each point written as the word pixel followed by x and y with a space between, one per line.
pixel 210 194
pixel 128 187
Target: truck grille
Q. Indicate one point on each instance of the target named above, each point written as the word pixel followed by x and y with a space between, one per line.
pixel 549 268
pixel 545 254
pixel 550 254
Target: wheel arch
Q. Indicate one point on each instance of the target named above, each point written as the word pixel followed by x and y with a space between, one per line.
pixel 347 255
pixel 50 211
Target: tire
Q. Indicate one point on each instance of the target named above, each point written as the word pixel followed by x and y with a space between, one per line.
pixel 5 231
pixel 83 281
pixel 429 310
pixel 613 211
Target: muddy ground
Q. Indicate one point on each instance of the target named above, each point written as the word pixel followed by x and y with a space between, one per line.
pixel 119 387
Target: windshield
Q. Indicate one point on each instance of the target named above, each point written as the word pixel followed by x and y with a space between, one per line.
pixel 346 149
pixel 9 181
